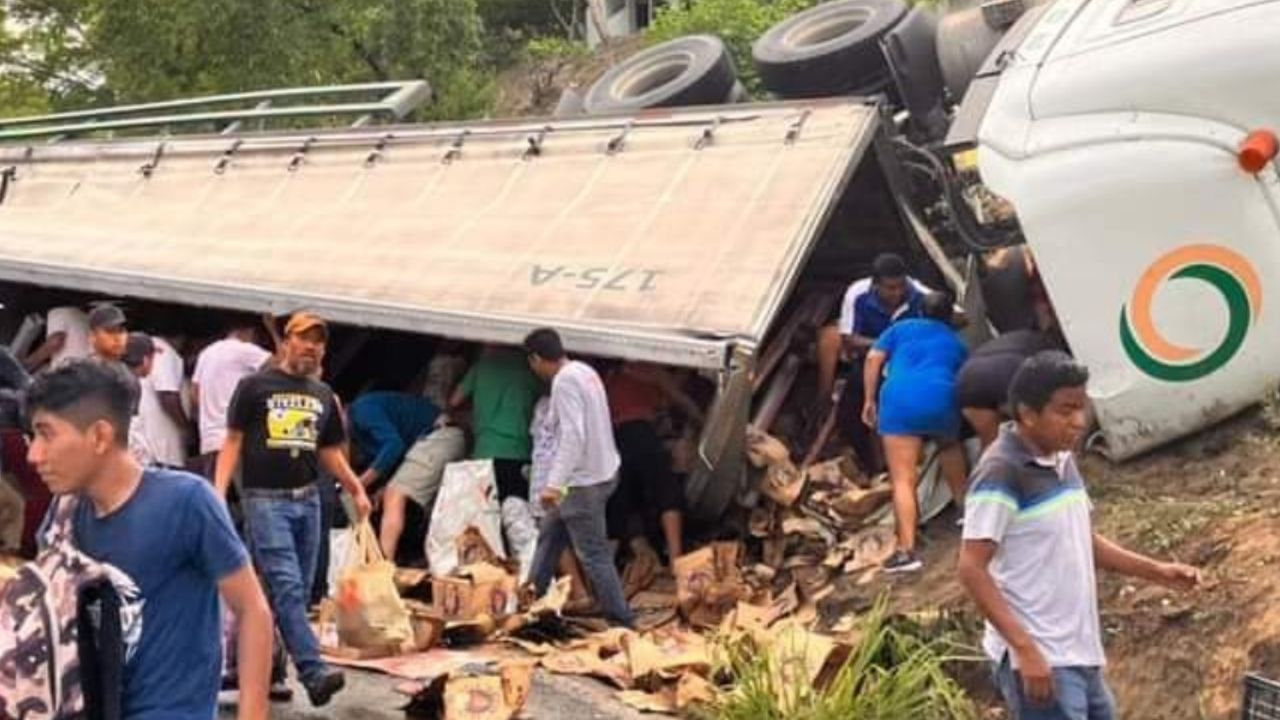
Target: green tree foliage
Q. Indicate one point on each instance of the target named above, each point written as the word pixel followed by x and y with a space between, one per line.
pixel 114 51
pixel 737 22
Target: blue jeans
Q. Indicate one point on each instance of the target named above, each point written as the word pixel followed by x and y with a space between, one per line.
pixel 579 522
pixel 284 537
pixel 1080 693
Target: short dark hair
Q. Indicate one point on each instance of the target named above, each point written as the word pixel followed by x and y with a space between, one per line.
pixel 1042 375
pixel 137 349
pixel 236 322
pixel 83 392
pixel 938 306
pixel 888 266
pixel 545 343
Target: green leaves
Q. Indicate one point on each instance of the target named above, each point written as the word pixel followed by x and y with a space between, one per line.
pixel 80 52
pixel 738 22
pixel 893 672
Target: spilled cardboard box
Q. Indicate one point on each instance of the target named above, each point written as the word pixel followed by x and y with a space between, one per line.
pixel 472 592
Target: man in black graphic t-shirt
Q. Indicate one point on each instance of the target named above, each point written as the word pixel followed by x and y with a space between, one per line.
pixel 283 425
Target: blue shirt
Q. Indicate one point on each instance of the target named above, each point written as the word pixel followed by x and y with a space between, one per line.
pixel 871 318
pixel 922 351
pixel 175 540
pixel 385 424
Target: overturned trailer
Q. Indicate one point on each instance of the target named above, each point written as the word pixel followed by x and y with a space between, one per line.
pixel 672 236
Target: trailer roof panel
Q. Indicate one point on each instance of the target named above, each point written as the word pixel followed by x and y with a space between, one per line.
pixel 665 236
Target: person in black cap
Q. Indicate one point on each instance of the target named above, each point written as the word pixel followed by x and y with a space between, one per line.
pixel 107 332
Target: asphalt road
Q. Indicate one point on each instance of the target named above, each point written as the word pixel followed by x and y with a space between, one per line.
pixel 372 696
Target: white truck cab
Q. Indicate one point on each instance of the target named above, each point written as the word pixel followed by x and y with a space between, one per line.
pixel 1135 139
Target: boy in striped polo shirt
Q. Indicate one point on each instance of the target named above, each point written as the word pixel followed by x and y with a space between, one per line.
pixel 1030 551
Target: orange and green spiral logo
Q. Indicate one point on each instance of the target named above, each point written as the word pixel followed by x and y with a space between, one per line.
pixel 1227 272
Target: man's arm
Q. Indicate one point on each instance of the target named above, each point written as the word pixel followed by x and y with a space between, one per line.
pixel 277 342
pixel 670 387
pixel 566 403
pixel 975 577
pixel 1111 557
pixel 856 344
pixel 386 438
pixel 228 461
pixel 335 461
pixel 171 403
pixel 51 346
pixel 194 422
pixel 242 593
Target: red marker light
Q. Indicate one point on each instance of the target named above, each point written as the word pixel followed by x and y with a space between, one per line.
pixel 1258 150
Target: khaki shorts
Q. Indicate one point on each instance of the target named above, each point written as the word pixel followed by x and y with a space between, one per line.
pixel 418 477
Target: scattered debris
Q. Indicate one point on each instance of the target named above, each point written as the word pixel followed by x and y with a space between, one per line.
pixel 709 583
pixel 475 694
pixel 474 591
pixel 810 526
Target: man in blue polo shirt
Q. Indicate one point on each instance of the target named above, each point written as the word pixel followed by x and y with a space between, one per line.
pixel 869 307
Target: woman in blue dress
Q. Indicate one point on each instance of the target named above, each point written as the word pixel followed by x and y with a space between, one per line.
pixel 917 403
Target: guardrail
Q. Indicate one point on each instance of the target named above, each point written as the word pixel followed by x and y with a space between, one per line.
pixel 394 100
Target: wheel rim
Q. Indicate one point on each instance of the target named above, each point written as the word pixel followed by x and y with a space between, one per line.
pixel 653 75
pixel 824 30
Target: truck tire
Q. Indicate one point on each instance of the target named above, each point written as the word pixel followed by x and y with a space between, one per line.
pixel 831 49
pixel 964 42
pixel 692 70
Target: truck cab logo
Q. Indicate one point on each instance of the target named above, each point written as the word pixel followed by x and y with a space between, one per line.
pixel 1227 272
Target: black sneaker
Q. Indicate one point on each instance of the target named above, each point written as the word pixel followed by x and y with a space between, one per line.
pixel 280 692
pixel 903 561
pixel 322 688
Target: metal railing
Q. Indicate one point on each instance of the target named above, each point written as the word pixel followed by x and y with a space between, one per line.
pixel 394 100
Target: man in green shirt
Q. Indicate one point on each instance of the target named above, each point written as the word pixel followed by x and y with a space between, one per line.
pixel 502 390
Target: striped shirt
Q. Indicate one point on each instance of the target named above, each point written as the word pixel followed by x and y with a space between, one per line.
pixel 1037 511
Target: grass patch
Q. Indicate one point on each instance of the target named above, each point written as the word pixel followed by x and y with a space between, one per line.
pixel 894 671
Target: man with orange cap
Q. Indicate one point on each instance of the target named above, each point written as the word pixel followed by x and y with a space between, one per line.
pixel 283 425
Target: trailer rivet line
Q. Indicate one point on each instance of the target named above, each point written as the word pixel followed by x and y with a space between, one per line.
pixel 300 156
pixel 619 141
pixel 7 175
pixel 708 135
pixel 535 144
pixel 455 149
pixel 378 149
pixel 793 132
pixel 150 166
pixel 227 154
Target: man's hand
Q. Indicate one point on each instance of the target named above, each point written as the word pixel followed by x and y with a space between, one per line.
pixel 551 498
pixel 1178 576
pixel 1037 676
pixel 368 477
pixel 870 414
pixel 364 508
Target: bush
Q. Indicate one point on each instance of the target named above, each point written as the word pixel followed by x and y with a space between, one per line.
pixel 737 22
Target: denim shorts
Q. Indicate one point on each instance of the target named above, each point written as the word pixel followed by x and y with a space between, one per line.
pixel 1080 693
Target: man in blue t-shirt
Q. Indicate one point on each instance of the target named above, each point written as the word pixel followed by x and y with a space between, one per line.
pixel 868 308
pixel 168 532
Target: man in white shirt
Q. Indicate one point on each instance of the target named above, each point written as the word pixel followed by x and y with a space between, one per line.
pixel 583 474
pixel 219 369
pixel 165 383
pixel 66 338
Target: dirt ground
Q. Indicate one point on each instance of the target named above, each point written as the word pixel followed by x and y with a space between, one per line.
pixel 1212 501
